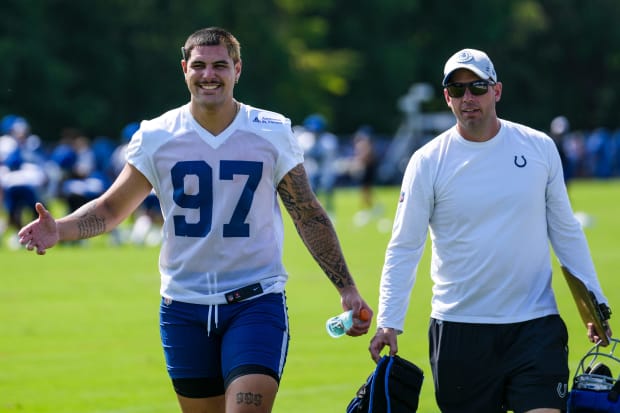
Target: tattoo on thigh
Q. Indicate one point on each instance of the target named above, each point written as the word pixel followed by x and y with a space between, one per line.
pixel 250 398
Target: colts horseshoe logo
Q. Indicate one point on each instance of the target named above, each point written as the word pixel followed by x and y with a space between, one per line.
pixel 562 389
pixel 522 163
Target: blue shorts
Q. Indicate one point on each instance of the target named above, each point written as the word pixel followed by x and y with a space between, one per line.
pixel 20 196
pixel 207 346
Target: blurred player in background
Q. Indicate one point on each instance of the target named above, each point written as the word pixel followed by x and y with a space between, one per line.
pixel 363 170
pixel 22 174
pixel 320 155
pixel 147 218
pixel 365 164
pixel 559 130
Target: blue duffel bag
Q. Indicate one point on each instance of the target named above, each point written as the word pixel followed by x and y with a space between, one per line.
pixel 595 387
pixel 393 387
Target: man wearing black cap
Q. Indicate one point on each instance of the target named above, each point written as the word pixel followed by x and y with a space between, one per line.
pixel 492 193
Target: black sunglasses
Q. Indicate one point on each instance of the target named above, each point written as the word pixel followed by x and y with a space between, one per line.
pixel 476 88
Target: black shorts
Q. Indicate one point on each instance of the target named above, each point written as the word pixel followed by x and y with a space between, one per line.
pixel 495 368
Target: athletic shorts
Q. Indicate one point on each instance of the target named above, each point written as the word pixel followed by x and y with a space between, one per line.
pixel 207 346
pixel 494 368
pixel 20 196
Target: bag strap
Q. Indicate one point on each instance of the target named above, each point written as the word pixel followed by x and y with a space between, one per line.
pixel 371 402
pixel 387 387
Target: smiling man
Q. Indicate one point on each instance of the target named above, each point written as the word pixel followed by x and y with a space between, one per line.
pixel 492 193
pixel 218 166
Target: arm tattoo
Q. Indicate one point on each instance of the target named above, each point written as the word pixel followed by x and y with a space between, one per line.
pixel 249 398
pixel 314 226
pixel 90 224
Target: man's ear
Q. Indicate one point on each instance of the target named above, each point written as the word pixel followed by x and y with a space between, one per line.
pixel 498 91
pixel 238 66
pixel 447 97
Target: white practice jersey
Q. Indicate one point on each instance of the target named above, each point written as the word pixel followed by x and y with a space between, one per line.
pixel 222 224
pixel 492 208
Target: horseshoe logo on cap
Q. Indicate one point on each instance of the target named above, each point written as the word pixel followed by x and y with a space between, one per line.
pixel 522 164
pixel 464 56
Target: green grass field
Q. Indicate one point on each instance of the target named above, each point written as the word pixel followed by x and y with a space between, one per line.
pixel 80 330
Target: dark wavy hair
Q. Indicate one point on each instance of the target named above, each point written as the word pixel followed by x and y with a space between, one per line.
pixel 212 36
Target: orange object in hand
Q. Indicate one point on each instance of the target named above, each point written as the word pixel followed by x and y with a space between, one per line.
pixel 364 314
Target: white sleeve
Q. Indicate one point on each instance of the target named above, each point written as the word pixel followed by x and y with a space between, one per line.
pixel 565 233
pixel 406 246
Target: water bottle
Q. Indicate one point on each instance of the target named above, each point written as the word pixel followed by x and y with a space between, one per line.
pixel 339 325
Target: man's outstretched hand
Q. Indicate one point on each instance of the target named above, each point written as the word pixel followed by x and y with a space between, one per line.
pixel 41 233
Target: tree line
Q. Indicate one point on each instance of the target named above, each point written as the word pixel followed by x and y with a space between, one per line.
pixel 100 64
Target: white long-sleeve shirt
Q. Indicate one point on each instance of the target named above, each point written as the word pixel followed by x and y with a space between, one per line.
pixel 492 208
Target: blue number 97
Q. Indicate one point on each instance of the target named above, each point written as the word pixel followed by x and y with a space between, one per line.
pixel 202 200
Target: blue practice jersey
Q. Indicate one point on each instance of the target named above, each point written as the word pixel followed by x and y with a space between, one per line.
pixel 222 223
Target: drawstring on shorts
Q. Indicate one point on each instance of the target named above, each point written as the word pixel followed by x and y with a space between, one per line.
pixel 212 286
pixel 211 306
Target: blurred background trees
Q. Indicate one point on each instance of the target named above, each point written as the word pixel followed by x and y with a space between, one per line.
pixel 99 64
